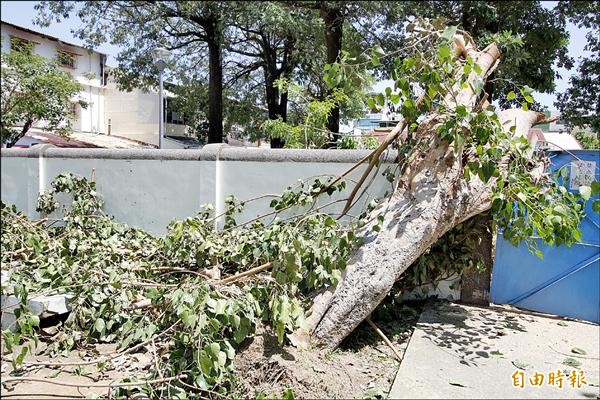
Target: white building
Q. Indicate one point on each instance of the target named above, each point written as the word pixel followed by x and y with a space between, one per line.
pixel 131 115
pixel 134 115
pixel 87 67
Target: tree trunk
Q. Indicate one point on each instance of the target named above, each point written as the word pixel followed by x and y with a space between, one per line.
pixel 273 102
pixel 215 83
pixel 334 23
pixel 276 100
pixel 431 198
pixel 13 140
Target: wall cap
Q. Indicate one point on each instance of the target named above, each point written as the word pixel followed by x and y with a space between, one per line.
pixel 207 153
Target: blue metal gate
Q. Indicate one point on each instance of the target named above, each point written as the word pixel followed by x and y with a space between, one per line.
pixel 566 281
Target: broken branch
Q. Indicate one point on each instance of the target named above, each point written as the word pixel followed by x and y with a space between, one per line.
pixel 97 385
pixel 385 339
pixel 244 274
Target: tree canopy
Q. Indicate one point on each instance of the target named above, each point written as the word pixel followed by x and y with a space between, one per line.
pixel 580 104
pixel 34 89
pixel 244 48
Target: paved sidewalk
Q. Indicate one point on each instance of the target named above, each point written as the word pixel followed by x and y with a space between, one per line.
pixel 462 352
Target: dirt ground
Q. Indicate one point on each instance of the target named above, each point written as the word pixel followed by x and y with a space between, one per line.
pixel 70 370
pixel 363 367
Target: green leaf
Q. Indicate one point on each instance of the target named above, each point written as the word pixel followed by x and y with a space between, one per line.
pixel 571 362
pixel 595 187
pixel 205 363
pixel 449 33
pixel 524 106
pixel 375 61
pixel 379 51
pixel 444 52
pixel 585 192
pixel 511 95
pixel 478 86
pixel 240 334
pixel 371 103
pixel 214 350
pixel 529 99
pixel 409 63
pixel 596 206
pixel 21 356
pixel 100 325
pixel 288 394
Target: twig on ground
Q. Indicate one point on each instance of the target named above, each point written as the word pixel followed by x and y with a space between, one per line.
pixel 385 339
pixel 106 357
pixel 98 385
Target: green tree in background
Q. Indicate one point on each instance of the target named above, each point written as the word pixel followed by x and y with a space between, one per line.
pixel 243 48
pixel 267 44
pixel 580 104
pixel 541 30
pixel 34 89
pixel 193 31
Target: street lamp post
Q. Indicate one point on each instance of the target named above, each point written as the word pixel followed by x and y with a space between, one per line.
pixel 160 57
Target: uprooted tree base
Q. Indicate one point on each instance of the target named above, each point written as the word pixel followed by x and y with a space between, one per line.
pixel 363 366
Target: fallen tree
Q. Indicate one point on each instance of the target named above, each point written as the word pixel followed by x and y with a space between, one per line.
pixel 195 295
pixel 462 156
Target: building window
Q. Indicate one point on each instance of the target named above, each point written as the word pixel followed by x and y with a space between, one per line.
pixel 174 118
pixel 65 59
pixel 21 45
pixel 103 72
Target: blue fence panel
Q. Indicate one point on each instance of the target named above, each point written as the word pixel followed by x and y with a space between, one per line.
pixel 566 281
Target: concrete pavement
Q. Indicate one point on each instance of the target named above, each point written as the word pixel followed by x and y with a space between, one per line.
pixel 461 352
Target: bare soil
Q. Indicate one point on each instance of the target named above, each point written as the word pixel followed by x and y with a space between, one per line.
pixel 363 367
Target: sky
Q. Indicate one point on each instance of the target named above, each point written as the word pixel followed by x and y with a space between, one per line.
pixel 22 13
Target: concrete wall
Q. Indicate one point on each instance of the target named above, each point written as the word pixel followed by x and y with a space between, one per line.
pixel 149 188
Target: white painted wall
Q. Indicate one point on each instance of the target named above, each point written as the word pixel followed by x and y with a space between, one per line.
pixel 149 188
pixel 90 119
pixel 134 115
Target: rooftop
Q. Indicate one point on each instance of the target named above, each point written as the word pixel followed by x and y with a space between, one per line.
pixel 53 38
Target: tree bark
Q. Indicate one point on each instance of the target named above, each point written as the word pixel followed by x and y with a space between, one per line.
pixel 28 124
pixel 271 91
pixel 215 82
pixel 431 198
pixel 334 23
pixel 277 100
